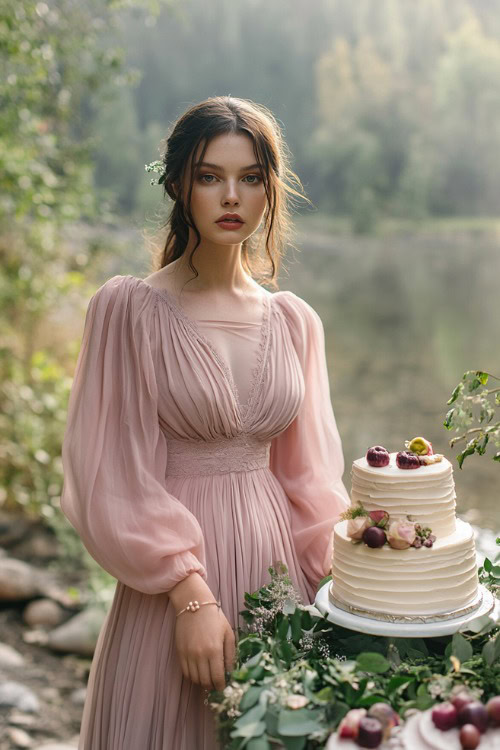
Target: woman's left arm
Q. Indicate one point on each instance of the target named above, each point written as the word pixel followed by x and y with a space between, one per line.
pixel 307 457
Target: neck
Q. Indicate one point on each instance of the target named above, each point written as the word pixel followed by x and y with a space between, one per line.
pixel 219 269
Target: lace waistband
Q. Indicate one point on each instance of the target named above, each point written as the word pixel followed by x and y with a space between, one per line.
pixel 240 453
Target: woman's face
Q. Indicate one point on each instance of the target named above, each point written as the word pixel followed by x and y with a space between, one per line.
pixel 228 181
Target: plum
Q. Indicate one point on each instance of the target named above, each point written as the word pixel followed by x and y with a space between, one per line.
pixel 386 715
pixel 374 537
pixel 474 713
pixel 370 732
pixel 444 716
pixel 407 460
pixel 377 456
pixel 461 698
pixel 493 708
pixel 349 726
pixel 470 737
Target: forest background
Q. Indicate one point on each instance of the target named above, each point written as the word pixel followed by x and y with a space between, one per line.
pixel 391 109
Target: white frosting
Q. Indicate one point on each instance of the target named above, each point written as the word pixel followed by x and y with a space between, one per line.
pixel 426 494
pixel 412 581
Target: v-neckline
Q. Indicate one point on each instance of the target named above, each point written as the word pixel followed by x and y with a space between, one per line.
pixel 244 410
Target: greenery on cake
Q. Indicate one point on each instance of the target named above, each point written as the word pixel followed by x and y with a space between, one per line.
pixel 354 511
pixel 297 674
pixel 475 407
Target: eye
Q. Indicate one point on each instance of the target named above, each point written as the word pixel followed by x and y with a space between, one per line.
pixel 207 182
pixel 256 180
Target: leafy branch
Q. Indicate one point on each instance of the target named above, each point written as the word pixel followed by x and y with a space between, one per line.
pixel 474 409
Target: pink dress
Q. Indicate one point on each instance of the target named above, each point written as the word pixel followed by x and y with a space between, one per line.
pixel 171 466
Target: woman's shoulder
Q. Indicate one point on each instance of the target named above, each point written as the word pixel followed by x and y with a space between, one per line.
pixel 124 286
pixel 295 308
pixel 124 294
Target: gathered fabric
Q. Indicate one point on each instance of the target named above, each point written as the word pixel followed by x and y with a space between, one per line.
pixel 205 446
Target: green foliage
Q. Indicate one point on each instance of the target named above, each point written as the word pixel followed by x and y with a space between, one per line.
pixel 32 419
pixel 55 65
pixel 474 404
pixel 297 674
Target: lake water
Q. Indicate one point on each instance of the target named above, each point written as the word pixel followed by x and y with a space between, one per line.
pixel 404 318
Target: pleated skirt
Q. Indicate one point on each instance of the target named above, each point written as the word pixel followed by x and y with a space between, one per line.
pixel 137 696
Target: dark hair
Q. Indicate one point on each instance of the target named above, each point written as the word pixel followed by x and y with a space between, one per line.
pixel 199 125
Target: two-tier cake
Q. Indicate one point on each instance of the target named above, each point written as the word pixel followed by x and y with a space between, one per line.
pixel 400 554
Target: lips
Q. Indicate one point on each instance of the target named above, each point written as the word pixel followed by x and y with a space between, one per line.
pixel 236 218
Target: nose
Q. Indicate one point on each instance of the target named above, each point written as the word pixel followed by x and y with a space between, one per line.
pixel 230 195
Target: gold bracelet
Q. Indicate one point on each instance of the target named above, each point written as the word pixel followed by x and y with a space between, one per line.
pixel 194 606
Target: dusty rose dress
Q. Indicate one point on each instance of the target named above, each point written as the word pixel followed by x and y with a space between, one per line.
pixel 174 465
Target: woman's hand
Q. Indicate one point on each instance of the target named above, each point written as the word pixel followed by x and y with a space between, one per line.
pixel 206 645
pixel 204 639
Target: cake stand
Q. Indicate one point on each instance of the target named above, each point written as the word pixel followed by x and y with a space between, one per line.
pixel 489 606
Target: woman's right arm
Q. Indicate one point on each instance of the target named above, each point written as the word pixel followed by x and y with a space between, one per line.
pixel 114 458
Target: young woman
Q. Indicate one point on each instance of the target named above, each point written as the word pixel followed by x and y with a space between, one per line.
pixel 201 444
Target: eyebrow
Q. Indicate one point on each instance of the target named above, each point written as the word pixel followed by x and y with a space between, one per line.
pixel 216 166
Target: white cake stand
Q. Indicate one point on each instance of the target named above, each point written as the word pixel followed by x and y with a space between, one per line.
pixel 489 606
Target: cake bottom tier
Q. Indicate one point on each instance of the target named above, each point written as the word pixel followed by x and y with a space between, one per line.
pixel 424 581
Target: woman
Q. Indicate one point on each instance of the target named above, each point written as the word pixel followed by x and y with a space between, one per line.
pixel 201 444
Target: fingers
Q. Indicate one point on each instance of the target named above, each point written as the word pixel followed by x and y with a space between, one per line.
pixel 205 674
pixel 193 671
pixel 217 671
pixel 184 666
pixel 229 650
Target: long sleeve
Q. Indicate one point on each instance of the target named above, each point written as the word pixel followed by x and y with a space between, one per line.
pixel 307 457
pixel 115 455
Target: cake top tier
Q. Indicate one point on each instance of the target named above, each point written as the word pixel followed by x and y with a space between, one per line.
pixel 437 471
pixel 427 493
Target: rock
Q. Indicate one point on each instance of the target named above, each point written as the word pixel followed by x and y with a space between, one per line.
pixel 12 529
pixel 51 694
pixel 78 696
pixel 40 543
pixel 18 695
pixel 43 612
pixel 21 719
pixel 19 737
pixel 78 635
pixel 18 580
pixel 9 657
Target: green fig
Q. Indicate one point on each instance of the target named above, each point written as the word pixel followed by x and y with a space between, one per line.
pixel 420 446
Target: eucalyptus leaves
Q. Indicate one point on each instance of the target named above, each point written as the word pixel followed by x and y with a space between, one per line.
pixel 473 403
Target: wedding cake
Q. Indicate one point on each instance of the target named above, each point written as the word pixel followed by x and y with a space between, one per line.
pixel 400 554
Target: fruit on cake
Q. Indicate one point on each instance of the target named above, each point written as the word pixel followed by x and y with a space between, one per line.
pixel 399 552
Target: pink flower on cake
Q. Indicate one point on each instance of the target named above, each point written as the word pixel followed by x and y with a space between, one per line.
pixel 401 534
pixel 379 517
pixel 356 526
